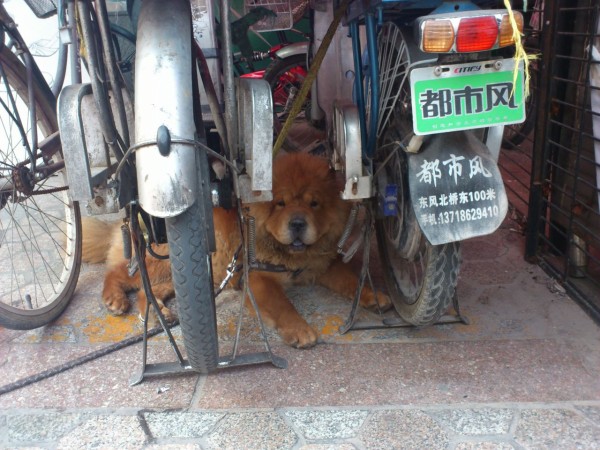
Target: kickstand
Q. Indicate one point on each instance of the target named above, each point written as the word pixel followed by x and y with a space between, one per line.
pixel 160 368
pixel 248 238
pixel 181 365
pixel 385 322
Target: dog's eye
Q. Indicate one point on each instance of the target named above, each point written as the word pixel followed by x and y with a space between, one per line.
pixel 314 204
pixel 280 203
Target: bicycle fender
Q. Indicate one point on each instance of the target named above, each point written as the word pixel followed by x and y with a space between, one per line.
pixel 456 188
pixel 297 48
pixel 166 173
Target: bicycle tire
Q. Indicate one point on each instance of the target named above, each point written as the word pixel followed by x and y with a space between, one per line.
pixel 189 252
pixel 285 76
pixel 40 225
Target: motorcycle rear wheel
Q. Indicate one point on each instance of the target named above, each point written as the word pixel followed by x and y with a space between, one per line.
pixel 420 277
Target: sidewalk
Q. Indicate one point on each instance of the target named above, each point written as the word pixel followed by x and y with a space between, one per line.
pixel 523 374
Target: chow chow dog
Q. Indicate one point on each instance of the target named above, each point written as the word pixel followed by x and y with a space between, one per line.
pixel 298 230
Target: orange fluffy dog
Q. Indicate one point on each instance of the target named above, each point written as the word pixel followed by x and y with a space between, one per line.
pixel 299 230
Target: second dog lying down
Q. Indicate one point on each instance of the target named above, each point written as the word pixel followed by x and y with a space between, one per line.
pixel 299 229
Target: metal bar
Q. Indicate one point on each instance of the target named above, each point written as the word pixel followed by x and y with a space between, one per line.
pixel 231 119
pixel 110 64
pixel 32 111
pixel 358 81
pixel 63 53
pixel 107 123
pixel 371 23
pixel 538 172
pixel 74 59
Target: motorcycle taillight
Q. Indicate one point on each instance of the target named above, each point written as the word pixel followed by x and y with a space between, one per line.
pixel 476 34
pixel 472 31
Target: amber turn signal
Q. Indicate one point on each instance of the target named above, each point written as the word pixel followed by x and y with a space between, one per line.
pixel 506 30
pixel 438 36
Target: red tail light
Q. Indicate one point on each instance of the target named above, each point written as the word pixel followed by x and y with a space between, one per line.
pixel 476 34
pixel 469 31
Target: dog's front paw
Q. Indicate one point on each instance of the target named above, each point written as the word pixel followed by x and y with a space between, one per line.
pixel 379 302
pixel 168 314
pixel 298 334
pixel 117 304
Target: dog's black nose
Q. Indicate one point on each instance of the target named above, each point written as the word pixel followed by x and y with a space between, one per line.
pixel 297 225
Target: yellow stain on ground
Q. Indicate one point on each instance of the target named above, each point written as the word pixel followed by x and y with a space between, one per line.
pixel 229 328
pixel 332 326
pixel 111 328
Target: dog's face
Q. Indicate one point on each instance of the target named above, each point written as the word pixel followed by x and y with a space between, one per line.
pixel 294 219
pixel 306 209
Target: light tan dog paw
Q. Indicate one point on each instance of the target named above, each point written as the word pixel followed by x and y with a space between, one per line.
pixel 375 302
pixel 299 335
pixel 117 304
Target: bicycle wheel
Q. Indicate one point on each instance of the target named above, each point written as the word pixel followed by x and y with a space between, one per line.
pixel 192 278
pixel 40 226
pixel 285 77
pixel 421 278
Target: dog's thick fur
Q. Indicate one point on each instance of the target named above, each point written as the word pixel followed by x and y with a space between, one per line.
pixel 299 229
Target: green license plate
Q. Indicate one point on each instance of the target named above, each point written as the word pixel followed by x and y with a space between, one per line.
pixel 465 96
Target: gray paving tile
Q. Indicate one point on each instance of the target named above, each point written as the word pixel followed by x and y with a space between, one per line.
pixel 40 427
pixel 174 424
pixel 252 430
pixel 475 421
pixel 327 424
pixel 343 446
pixel 484 446
pixel 556 429
pixel 123 432
pixel 591 412
pixel 403 429
pixel 178 446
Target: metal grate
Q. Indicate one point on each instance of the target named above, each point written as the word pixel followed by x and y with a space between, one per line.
pixel 564 218
pixel 516 156
pixel 42 8
pixel 287 12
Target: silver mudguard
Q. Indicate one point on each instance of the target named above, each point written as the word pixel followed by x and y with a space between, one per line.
pixel 164 98
pixel 456 188
pixel 297 48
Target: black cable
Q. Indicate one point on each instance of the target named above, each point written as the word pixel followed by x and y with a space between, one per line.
pixel 78 361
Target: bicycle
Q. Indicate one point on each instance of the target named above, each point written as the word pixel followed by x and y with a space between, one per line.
pixel 40 230
pixel 40 240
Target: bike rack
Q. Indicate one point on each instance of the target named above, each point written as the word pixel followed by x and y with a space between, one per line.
pixel 181 365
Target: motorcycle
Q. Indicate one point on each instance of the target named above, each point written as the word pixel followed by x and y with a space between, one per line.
pixel 418 130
